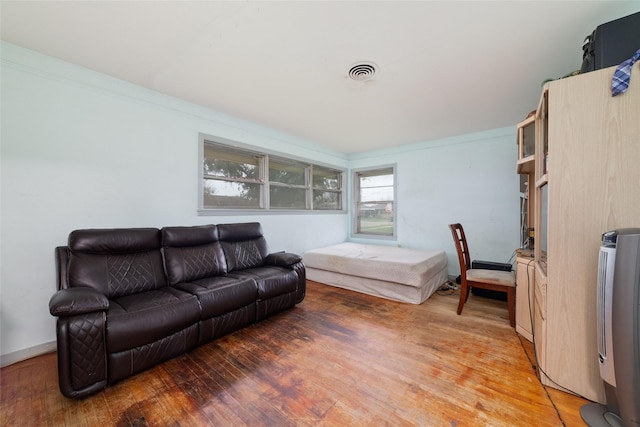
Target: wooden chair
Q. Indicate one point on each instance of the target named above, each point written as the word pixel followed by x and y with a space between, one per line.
pixel 494 280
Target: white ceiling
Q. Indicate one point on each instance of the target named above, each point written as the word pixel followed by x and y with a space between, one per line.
pixel 445 67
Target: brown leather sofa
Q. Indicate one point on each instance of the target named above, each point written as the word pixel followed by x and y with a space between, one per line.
pixel 129 299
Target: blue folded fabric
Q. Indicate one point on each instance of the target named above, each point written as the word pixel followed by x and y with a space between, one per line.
pixel 622 75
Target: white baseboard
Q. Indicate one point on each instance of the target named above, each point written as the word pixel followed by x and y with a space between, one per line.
pixel 27 353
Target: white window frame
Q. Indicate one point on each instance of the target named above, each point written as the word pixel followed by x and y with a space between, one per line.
pixel 357 202
pixel 264 181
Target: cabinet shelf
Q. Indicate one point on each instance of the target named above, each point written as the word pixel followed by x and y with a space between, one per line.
pixel 542 181
pixel 526 165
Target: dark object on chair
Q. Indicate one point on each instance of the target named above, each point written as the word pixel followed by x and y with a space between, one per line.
pixel 493 280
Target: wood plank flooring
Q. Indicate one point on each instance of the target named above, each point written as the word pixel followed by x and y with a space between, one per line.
pixel 339 358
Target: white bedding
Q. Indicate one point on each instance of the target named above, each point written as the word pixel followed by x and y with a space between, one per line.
pixel 401 274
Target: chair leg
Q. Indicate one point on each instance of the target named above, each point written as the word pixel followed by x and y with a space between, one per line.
pixel 511 303
pixel 464 294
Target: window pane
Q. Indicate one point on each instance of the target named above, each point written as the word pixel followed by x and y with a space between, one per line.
pixel 224 194
pixel 376 181
pixel 231 165
pixel 326 200
pixel 376 194
pixel 286 197
pixel 286 173
pixel 375 188
pixel 376 219
pixel 326 178
pixel 377 172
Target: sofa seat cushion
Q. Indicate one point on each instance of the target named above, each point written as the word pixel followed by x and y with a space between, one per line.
pixel 496 277
pixel 142 318
pixel 271 281
pixel 220 295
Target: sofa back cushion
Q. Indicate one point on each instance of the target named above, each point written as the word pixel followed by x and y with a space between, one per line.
pixel 192 253
pixel 244 245
pixel 116 262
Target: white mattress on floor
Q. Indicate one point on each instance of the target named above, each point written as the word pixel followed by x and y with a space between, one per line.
pixel 401 274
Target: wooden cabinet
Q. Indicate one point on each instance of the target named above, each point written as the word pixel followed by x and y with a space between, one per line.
pixel 587 164
pixel 525 287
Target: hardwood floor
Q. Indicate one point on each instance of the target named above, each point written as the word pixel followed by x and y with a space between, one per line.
pixel 339 358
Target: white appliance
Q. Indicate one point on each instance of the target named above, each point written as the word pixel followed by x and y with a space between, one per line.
pixel 618 331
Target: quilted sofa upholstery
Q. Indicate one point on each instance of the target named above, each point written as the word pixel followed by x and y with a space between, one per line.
pixel 129 299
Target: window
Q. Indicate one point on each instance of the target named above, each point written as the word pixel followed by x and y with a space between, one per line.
pixel 243 179
pixel 327 184
pixel 374 197
pixel 231 180
pixel 287 185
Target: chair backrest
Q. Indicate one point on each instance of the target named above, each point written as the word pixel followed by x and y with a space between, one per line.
pixel 461 247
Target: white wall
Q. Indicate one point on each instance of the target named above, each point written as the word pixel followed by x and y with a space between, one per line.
pixel 469 179
pixel 80 149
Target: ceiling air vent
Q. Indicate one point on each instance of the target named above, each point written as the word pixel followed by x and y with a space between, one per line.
pixel 362 71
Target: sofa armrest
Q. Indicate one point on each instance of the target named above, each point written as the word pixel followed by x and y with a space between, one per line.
pixel 282 259
pixel 74 301
pixel 294 262
pixel 62 263
pixel 82 354
pixel 300 269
